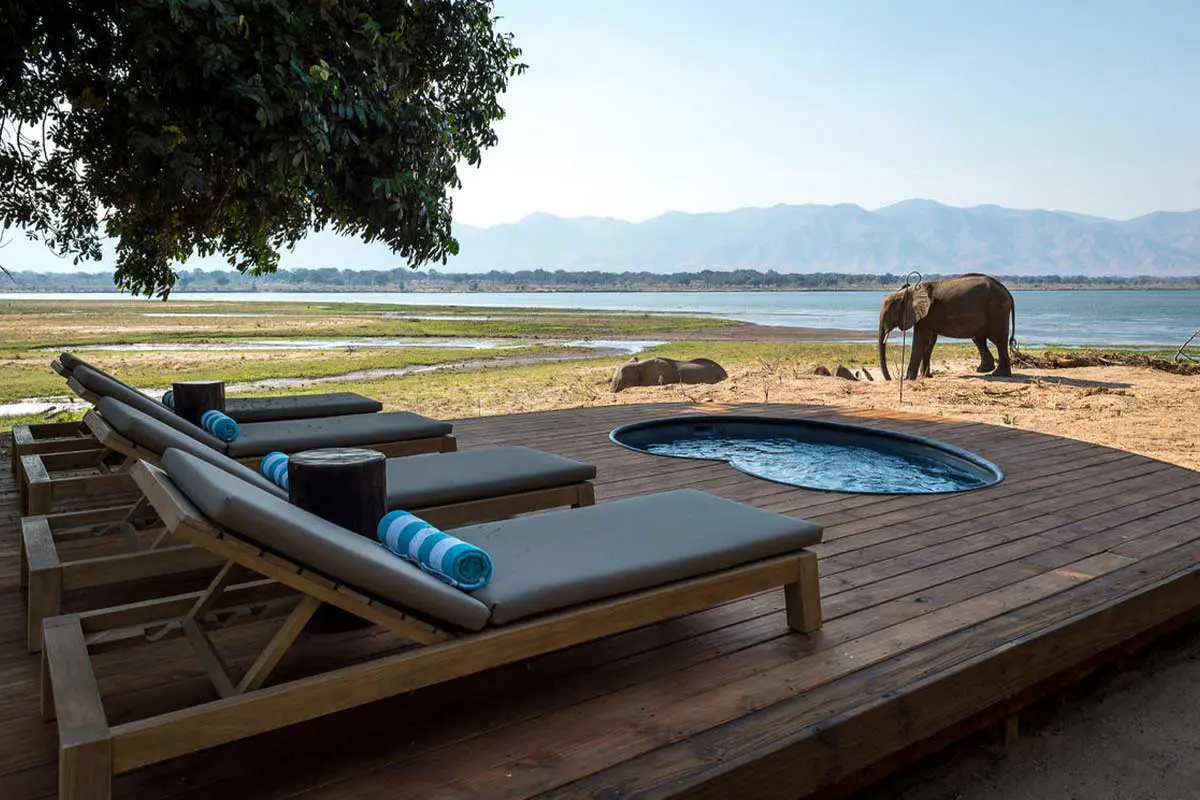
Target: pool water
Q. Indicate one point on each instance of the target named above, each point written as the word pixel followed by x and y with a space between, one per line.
pixel 816 455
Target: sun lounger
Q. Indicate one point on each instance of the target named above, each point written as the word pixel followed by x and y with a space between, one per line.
pixel 447 489
pixel 560 578
pixel 394 433
pixel 390 432
pixel 256 409
pixel 58 437
pixel 48 479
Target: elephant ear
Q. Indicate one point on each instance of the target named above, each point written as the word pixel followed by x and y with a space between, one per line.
pixel 922 299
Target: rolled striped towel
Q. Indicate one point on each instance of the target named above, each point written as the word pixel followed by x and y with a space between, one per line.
pixel 220 426
pixel 168 399
pixel 274 466
pixel 452 560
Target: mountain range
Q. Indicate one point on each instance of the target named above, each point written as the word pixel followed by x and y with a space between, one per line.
pixel 913 234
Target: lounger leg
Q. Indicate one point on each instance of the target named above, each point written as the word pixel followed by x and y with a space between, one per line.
pixel 125 525
pixel 84 740
pixel 586 496
pixel 803 598
pixel 39 492
pixel 210 657
pixel 271 655
pixel 44 577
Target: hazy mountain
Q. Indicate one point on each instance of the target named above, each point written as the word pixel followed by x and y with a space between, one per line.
pixel 920 234
pixel 914 234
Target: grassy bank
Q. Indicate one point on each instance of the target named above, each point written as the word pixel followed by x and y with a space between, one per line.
pixel 33 331
pixel 29 375
pixel 29 323
pixel 585 382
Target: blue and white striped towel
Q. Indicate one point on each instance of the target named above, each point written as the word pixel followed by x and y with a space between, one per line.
pixel 220 426
pixel 275 466
pixel 454 561
pixel 168 399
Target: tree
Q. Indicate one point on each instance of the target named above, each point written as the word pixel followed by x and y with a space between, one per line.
pixel 181 127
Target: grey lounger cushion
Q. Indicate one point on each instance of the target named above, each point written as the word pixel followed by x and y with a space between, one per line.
pixel 340 554
pixel 542 563
pixel 242 409
pixel 150 434
pixel 436 479
pixel 352 430
pixel 70 361
pixel 106 386
pixel 556 559
pixel 290 436
pixel 414 482
pixel 299 406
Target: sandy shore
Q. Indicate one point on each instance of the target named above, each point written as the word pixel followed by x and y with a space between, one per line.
pixel 1141 410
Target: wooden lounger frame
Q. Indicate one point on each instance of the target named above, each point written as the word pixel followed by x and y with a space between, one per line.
pixel 49 437
pixel 48 575
pixel 91 751
pixel 45 439
pixel 51 478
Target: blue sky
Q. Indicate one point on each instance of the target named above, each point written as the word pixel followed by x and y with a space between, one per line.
pixel 632 108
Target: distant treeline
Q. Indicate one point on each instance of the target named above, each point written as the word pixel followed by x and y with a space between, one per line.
pixel 407 280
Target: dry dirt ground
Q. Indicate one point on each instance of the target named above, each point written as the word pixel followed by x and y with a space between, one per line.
pixel 1141 410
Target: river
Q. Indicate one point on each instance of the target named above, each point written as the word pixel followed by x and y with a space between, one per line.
pixel 1076 317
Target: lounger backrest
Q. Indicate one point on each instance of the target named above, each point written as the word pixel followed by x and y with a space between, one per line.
pixel 105 386
pixel 150 434
pixel 70 361
pixel 304 538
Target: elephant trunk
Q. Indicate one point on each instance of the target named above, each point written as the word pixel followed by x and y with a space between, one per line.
pixel 883 332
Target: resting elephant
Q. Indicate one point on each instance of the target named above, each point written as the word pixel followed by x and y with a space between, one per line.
pixel 972 306
pixel 660 371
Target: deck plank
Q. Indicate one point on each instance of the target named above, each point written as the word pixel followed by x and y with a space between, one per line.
pixel 1079 549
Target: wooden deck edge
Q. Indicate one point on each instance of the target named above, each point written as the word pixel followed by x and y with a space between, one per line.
pixel 995 714
pixel 823 758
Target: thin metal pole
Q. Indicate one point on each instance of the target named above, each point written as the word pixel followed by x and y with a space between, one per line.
pixel 908 281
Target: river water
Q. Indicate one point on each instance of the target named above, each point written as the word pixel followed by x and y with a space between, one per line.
pixel 1078 317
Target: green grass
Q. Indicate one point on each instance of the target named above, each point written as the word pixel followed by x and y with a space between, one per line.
pixel 31 376
pixel 8 423
pixel 26 327
pixel 75 324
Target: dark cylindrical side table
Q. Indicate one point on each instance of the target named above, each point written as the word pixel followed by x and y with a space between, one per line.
pixel 348 487
pixel 192 398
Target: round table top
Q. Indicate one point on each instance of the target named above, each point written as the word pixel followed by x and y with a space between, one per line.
pixel 336 457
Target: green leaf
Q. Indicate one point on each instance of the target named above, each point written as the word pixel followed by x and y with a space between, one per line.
pixel 197 137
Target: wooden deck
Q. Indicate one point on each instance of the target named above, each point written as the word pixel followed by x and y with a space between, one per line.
pixel 944 613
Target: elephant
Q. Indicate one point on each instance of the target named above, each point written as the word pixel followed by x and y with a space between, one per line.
pixel 972 306
pixel 659 371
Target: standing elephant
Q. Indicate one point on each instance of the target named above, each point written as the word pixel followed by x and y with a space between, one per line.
pixel 973 306
pixel 660 371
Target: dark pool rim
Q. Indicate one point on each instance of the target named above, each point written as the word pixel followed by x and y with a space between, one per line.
pixel 800 422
